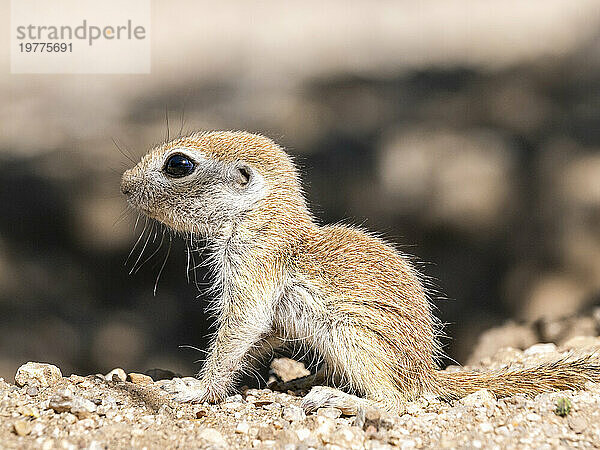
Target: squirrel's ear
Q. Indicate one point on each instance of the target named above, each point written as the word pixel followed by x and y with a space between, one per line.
pixel 242 175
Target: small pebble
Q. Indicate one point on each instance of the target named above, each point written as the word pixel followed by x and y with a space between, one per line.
pixel 61 401
pixel 287 369
pixel 287 439
pixel 82 407
pixel 332 413
pixel 213 436
pixel 345 437
pixel 86 424
pixel 22 427
pixel 237 398
pixel 502 430
pixel 242 428
pixel 578 424
pixel 293 413
pixel 32 391
pixel 263 403
pixel 486 427
pixel 76 379
pixel 37 374
pixel 265 434
pixel 481 398
pixel 139 378
pixel 540 349
pixel 64 401
pixel 280 424
pixel 117 374
pixel 28 411
pixel 232 406
pixel 38 428
pixel 372 417
pixel 303 433
pixel 272 406
pixel 325 426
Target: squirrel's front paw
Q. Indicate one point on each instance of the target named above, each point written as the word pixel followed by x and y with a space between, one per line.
pixel 191 390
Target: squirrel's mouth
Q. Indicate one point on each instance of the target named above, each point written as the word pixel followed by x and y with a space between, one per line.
pixel 150 212
pixel 162 217
pixel 142 206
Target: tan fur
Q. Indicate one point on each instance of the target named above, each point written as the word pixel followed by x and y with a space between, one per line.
pixel 345 295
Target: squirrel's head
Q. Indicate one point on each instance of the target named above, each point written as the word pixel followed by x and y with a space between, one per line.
pixel 207 183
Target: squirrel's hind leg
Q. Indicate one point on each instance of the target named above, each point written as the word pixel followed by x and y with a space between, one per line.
pixel 325 396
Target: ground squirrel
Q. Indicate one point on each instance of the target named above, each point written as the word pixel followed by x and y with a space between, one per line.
pixel 280 278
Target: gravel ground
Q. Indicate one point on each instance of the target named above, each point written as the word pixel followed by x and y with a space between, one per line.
pixel 45 410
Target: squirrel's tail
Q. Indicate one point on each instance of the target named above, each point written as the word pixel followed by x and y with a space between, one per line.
pixel 565 374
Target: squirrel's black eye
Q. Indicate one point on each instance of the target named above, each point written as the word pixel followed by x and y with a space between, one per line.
pixel 178 166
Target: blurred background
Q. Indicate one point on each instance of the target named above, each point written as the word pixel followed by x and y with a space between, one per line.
pixel 468 133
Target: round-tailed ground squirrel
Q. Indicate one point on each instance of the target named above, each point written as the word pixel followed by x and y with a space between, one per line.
pixel 281 278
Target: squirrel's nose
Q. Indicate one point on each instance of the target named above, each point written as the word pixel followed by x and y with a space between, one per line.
pixel 126 187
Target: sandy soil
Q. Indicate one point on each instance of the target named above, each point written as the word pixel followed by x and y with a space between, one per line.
pixel 46 410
